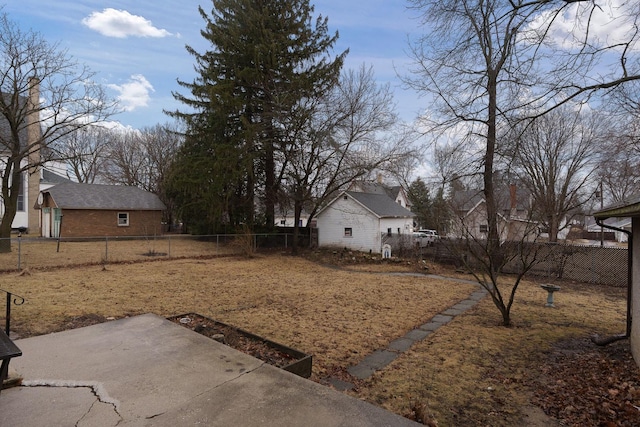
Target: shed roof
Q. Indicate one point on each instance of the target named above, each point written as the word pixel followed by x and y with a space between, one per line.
pixel 381 205
pixel 103 197
pixel 628 208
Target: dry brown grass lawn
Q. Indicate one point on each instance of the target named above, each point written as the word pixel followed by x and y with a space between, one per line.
pixel 41 253
pixel 471 372
pixel 476 372
pixel 337 316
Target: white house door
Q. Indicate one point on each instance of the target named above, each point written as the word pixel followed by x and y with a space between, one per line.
pixel 57 219
pixel 46 222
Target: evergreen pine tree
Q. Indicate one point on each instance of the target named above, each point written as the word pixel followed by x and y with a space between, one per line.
pixel 266 58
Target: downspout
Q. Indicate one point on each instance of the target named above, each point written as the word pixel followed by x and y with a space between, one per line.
pixel 627 334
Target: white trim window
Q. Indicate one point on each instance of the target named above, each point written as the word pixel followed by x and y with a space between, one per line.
pixel 348 232
pixel 123 219
pixel 21 198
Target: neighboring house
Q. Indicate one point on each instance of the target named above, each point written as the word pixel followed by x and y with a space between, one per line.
pixel 363 222
pixel 286 217
pixel 96 210
pixel 630 209
pixel 470 215
pixel 26 216
pixel 610 224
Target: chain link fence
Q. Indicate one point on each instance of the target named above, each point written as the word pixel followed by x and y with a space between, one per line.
pixel 589 264
pixel 554 261
pixel 39 253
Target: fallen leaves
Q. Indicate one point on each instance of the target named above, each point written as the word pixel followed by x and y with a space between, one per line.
pixel 586 385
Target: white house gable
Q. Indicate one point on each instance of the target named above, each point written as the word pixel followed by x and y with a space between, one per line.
pixel 363 221
pixel 346 223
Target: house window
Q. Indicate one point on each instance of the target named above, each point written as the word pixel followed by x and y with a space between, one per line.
pixel 389 231
pixel 123 219
pixel 399 231
pixel 283 222
pixel 20 206
pixel 484 228
pixel 348 232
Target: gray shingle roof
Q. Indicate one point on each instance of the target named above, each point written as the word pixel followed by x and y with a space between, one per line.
pixel 104 197
pixel 375 188
pixel 381 205
pixel 464 200
pixel 53 178
pixel 627 208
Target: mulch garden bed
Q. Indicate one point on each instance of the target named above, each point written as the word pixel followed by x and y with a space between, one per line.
pixel 268 351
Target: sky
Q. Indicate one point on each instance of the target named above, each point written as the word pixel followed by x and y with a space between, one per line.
pixel 137 47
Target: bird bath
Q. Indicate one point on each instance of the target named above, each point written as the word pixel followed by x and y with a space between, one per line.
pixel 550 288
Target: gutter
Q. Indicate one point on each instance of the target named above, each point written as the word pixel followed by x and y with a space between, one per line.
pixel 627 334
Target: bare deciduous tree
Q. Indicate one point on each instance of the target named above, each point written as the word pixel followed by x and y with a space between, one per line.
pixel 619 168
pixel 485 62
pixel 85 153
pixel 342 136
pixel 44 95
pixel 555 158
pixel 142 158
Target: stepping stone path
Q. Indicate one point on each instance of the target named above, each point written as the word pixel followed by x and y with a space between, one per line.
pixel 379 359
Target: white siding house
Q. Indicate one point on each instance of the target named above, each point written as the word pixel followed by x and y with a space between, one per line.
pixel 363 221
pixel 630 209
pixel 286 217
pixel 35 177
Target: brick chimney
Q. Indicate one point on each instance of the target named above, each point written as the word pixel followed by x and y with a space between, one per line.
pixel 34 135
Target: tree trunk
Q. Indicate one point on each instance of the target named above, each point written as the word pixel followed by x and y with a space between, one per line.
pixel 10 196
pixel 553 229
pixel 296 226
pixel 270 189
pixel 494 246
pixel 5 233
pixel 506 316
pixel 493 237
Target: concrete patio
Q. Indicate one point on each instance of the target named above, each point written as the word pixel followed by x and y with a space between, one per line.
pixel 148 371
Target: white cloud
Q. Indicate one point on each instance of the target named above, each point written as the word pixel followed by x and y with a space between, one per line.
pixel 122 24
pixel 603 26
pixel 135 93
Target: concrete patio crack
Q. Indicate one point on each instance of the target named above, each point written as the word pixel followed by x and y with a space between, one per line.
pixel 233 379
pixel 97 389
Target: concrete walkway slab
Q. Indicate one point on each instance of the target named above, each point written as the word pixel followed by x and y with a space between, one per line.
pixel 147 371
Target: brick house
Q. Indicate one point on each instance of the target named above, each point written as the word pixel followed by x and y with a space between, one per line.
pixel 97 210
